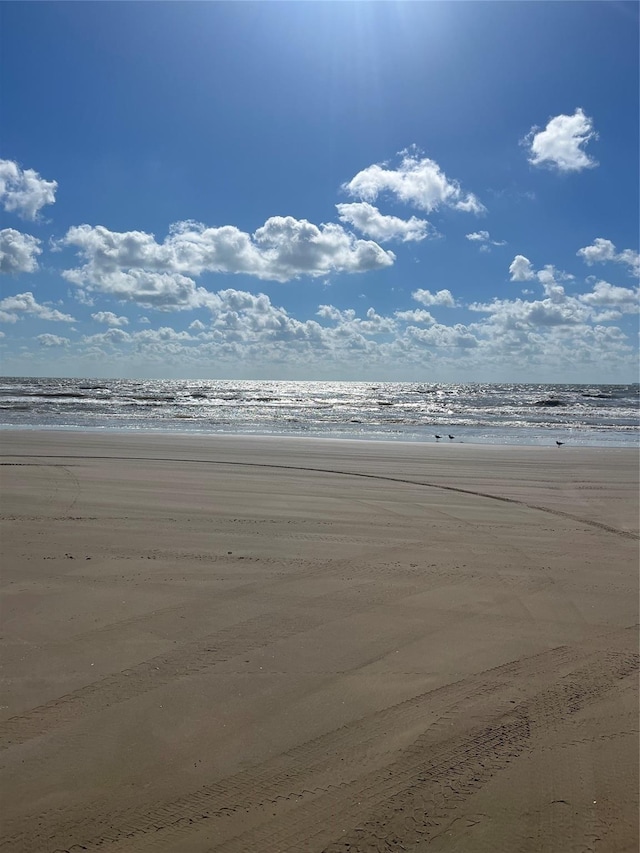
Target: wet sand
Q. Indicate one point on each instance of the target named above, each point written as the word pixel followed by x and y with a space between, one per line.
pixel 246 644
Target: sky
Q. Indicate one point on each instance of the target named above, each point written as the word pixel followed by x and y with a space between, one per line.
pixel 402 191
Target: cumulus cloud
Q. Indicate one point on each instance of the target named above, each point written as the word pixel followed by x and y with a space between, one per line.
pixel 18 252
pixel 548 277
pixel 25 303
pixel 348 322
pixel 417 315
pixel 109 319
pixel 559 310
pixel 81 296
pixel 248 315
pixel 485 241
pixel 521 269
pixel 24 191
pixel 417 181
pixel 164 333
pixel 438 335
pixel 330 312
pixel 368 219
pixel 238 318
pixel 247 329
pixel 112 337
pixel 623 298
pixel 601 251
pixel 48 340
pixel 163 291
pixel 245 325
pixel 609 315
pixel 560 144
pixel 132 265
pixel 442 297
pixel 290 247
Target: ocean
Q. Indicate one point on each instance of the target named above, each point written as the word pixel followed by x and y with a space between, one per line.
pixel 602 415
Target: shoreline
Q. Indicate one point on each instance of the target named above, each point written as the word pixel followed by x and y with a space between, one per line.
pixel 579 440
pixel 271 631
pixel 10 434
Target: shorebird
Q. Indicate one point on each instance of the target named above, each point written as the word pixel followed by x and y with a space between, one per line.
pixel 438 436
pixel 559 443
pixel 452 436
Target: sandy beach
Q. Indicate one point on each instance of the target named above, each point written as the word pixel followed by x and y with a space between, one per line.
pixel 269 645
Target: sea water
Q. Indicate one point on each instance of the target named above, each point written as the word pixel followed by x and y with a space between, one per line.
pixel 599 415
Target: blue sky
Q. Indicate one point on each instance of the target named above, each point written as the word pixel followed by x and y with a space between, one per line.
pixel 441 191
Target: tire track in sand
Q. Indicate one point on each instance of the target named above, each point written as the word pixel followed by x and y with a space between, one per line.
pixel 628 534
pixel 292 780
pixel 190 659
pixel 404 807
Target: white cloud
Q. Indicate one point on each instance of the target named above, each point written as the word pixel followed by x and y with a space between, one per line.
pixel 132 265
pixel 24 191
pixel 163 291
pixel 484 238
pixel 601 251
pixel 109 319
pixel 607 316
pixel 548 277
pixel 560 144
pixel 112 337
pixel 368 219
pixel 290 247
pixel 330 312
pixel 442 297
pixel 631 258
pixel 247 333
pixel 438 335
pixel 18 252
pixel 25 303
pixel 48 340
pixel 81 296
pixel 521 269
pixel 417 181
pixel 549 274
pixel 559 310
pixel 417 315
pixel 348 323
pixel 623 298
pixel 164 333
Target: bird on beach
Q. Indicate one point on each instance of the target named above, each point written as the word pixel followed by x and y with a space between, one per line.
pixel 559 443
pixel 438 436
pixel 452 436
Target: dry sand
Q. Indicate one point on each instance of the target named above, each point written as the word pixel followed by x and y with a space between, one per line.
pixel 270 645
